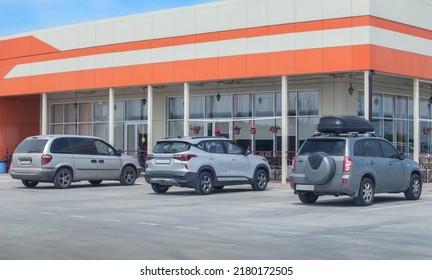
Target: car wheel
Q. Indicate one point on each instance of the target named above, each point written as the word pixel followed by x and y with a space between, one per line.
pixel 415 188
pixel 128 175
pixel 63 178
pixel 204 183
pixel 260 180
pixel 218 188
pixel 95 182
pixel 366 193
pixel 308 197
pixel 159 189
pixel 319 168
pixel 29 183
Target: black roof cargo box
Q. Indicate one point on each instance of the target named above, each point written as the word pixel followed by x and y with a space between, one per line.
pixel 344 124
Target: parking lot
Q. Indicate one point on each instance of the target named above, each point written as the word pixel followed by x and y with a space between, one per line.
pixel 131 223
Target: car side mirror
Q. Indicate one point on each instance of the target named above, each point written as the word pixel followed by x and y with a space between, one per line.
pixel 247 152
pixel 402 156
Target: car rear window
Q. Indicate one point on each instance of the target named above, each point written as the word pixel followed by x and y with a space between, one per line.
pixel 333 147
pixel 31 146
pixel 171 147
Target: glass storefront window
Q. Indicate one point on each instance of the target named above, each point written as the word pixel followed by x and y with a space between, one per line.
pixel 292 103
pixel 264 104
pixel 119 111
pixel 101 130
pixel 242 105
pixel 57 113
pixel 175 128
pixel 100 111
pixel 70 113
pixel 307 102
pixel 175 108
pixel 388 106
pixel 85 112
pixel 135 110
pixel 401 107
pixel 376 105
pixel 219 109
pixel 196 107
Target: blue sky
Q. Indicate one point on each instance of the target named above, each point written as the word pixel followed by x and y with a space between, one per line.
pixel 19 16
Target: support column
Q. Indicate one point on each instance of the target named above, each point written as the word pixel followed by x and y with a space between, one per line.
pixel 111 117
pixel 186 110
pixel 416 110
pixel 284 100
pixel 366 95
pixel 44 126
pixel 149 118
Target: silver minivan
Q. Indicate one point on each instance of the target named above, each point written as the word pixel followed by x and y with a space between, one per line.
pixel 63 159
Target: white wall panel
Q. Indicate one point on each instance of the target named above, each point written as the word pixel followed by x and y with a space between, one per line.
pixel 142 28
pixel 184 23
pixel 257 45
pixel 184 52
pixel 307 10
pixel 336 8
pixel 210 49
pixel 282 42
pixel 162 54
pixel 361 35
pixel 104 33
pixel 70 38
pixel 256 13
pixel 163 25
pixel 337 37
pixel 232 47
pixel 87 36
pixel 360 8
pixel 207 20
pixel 309 40
pixel 123 58
pixel 123 31
pixel 281 11
pixel 232 15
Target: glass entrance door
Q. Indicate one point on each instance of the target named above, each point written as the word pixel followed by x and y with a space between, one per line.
pixel 136 141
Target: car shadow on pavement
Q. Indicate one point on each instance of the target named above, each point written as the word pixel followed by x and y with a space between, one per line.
pixel 48 186
pixel 175 191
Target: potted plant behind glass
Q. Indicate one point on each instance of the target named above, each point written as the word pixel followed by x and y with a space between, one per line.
pixel 252 129
pixel 274 128
pixel 217 131
pixel 236 130
pixel 196 129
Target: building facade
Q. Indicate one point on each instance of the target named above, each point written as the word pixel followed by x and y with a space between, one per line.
pixel 247 64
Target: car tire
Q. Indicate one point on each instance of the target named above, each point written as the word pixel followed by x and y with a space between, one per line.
pixel 128 176
pixel 415 188
pixel 29 183
pixel 95 182
pixel 159 188
pixel 319 168
pixel 308 197
pixel 260 180
pixel 63 178
pixel 366 193
pixel 204 183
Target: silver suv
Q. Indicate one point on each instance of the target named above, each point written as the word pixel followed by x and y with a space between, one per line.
pixel 63 159
pixel 344 158
pixel 204 163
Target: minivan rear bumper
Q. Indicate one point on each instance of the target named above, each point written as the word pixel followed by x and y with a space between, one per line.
pixel 171 178
pixel 39 176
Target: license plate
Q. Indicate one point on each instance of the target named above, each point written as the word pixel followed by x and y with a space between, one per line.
pixel 304 187
pixel 25 162
pixel 163 161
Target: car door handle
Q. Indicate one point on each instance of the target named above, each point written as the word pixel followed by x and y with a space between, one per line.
pixel 211 158
pixel 233 159
pixel 372 162
pixel 101 161
pixel 93 161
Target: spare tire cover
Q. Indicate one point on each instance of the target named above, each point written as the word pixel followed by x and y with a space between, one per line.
pixel 319 168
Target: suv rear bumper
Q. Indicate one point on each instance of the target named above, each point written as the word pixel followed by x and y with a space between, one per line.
pixel 171 178
pixel 334 187
pixel 39 176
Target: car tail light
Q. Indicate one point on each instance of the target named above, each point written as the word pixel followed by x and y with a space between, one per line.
pixel 347 164
pixel 184 157
pixel 150 156
pixel 45 159
pixel 294 163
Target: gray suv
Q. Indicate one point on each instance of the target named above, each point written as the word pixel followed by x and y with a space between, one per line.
pixel 205 164
pixel 345 158
pixel 63 159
